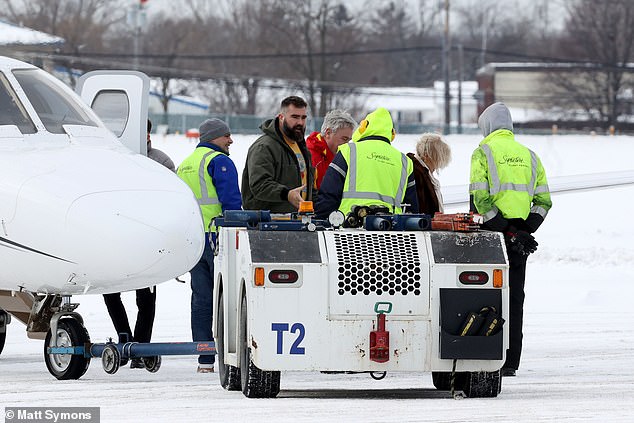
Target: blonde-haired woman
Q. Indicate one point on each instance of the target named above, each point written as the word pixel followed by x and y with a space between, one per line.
pixel 432 154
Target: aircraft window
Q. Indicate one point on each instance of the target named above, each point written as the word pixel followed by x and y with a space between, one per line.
pixel 53 102
pixel 12 112
pixel 113 108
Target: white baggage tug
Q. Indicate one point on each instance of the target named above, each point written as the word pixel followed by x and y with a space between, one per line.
pixel 306 294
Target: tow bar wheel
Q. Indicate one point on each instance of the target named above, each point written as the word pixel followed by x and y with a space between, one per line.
pixel 70 333
pixel 152 363
pixel 110 359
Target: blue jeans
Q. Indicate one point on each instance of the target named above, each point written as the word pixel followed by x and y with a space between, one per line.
pixel 202 300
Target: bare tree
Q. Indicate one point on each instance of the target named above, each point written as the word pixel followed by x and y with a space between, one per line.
pixel 502 31
pixel 410 41
pixel 84 24
pixel 166 38
pixel 603 34
pixel 307 36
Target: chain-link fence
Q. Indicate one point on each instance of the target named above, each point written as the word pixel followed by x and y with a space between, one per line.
pixel 250 124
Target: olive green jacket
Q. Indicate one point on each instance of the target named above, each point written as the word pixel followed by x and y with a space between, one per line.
pixel 271 170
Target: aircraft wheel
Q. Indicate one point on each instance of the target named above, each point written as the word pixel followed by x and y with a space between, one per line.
pixel 152 364
pixel 4 318
pixel 70 333
pixel 110 359
pixel 229 375
pixel 255 383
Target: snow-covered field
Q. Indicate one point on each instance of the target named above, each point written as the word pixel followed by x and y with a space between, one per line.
pixel 578 332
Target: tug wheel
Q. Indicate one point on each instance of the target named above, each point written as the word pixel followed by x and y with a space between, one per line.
pixel 229 375
pixel 256 383
pixel 70 333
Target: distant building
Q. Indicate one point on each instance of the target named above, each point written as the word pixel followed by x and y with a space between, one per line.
pixel 542 93
pixel 425 106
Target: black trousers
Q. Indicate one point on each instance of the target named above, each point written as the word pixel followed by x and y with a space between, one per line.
pixel 146 304
pixel 517 275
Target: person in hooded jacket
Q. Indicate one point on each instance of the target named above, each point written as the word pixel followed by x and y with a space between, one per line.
pixel 278 174
pixel 369 171
pixel 336 130
pixel 508 187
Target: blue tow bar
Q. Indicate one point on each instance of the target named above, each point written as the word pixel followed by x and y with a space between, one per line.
pixel 137 350
pixel 113 355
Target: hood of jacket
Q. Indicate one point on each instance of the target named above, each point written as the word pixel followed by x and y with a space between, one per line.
pixel 269 127
pixel 376 125
pixel 496 116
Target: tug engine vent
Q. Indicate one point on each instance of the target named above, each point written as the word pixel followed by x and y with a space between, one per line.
pixel 378 264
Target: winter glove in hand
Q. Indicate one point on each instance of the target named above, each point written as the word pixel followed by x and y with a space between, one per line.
pixel 521 242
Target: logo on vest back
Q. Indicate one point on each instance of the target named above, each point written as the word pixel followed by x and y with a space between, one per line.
pixel 512 161
pixel 380 157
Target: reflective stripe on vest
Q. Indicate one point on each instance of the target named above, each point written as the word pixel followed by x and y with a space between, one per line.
pixel 353 193
pixel 514 198
pixel 495 178
pixel 201 183
pixel 202 173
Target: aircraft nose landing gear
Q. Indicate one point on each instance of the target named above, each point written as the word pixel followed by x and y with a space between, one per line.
pixel 70 334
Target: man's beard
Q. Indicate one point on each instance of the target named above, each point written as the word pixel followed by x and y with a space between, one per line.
pixel 296 133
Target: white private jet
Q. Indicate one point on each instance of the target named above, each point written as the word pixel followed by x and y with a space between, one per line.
pixel 82 210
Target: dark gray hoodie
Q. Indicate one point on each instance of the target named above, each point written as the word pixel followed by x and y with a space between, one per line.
pixel 494 117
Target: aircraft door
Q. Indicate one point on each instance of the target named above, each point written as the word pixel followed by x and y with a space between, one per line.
pixel 120 99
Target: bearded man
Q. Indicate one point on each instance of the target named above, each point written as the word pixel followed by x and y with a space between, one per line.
pixel 278 172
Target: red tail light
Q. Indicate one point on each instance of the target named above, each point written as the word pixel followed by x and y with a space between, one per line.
pixel 473 278
pixel 283 276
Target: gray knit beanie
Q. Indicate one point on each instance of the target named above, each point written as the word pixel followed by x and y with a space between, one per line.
pixel 212 129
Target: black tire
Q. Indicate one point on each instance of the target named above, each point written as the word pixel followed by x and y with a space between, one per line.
pixel 152 364
pixel 70 333
pixel 110 359
pixel 483 384
pixel 229 375
pixel 255 383
pixel 442 380
pixel 3 335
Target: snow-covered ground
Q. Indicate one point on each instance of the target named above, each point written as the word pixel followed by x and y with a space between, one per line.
pixel 578 332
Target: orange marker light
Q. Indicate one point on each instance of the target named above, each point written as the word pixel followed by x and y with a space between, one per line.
pixel 498 280
pixel 259 276
pixel 305 207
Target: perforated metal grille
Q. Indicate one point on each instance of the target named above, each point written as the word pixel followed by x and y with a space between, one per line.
pixel 378 263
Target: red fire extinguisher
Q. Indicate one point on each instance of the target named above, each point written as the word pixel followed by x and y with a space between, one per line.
pixel 380 338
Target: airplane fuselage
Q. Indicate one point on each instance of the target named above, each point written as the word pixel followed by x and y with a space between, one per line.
pixel 81 213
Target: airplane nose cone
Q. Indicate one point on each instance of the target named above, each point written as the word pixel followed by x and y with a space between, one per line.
pixel 124 240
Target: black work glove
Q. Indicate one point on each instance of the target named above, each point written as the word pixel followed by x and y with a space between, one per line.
pixel 520 242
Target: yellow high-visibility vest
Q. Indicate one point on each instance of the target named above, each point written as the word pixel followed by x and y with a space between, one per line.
pixel 193 171
pixel 507 177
